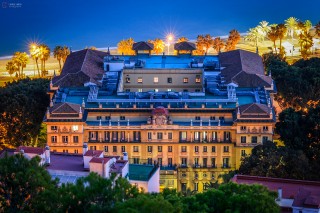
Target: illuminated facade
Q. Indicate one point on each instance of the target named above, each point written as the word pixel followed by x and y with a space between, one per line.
pixel 194 116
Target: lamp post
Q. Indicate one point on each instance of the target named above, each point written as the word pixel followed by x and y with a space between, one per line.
pixel 169 40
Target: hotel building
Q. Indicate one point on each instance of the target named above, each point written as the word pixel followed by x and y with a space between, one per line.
pixel 193 116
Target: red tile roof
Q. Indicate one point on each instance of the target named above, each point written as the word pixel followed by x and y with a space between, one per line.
pixel 93 153
pixel 118 165
pixel 307 198
pixel 243 68
pixel 31 150
pixel 99 160
pixel 290 187
pixel 81 67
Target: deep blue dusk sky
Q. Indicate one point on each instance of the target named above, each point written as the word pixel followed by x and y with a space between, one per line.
pixel 103 23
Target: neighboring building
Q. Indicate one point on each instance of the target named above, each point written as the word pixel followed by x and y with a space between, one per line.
pixel 30 152
pixel 297 196
pixel 194 116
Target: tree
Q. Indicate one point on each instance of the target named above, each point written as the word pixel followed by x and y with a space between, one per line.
pixel 44 56
pixel 264 28
pixel 182 39
pixel 11 67
pixel 22 181
pixel 64 53
pixel 255 35
pixel 23 104
pixel 158 45
pixel 233 39
pixel 20 59
pixel 317 27
pixel 34 51
pixel 308 25
pixel 57 53
pixel 273 36
pixel 306 42
pixel 281 32
pixel 125 47
pixel 218 44
pixel 291 24
pixel 204 42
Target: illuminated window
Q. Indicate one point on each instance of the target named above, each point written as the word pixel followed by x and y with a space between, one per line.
pixel 169 90
pixel 139 90
pixel 75 139
pixel 149 148
pixel 54 127
pixel 185 80
pixel 135 149
pixel 198 79
pixel 140 80
pixel 155 80
pixel 75 127
pixel 156 90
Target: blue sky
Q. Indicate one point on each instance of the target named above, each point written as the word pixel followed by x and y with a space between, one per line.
pixel 103 23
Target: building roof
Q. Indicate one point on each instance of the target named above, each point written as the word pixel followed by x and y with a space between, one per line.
pixel 290 187
pixel 141 172
pixel 118 166
pixel 243 68
pixel 142 45
pixel 99 160
pixel 66 162
pixel 185 45
pixel 307 198
pixel 81 67
pixel 254 109
pixel 93 153
pixel 31 150
pixel 65 108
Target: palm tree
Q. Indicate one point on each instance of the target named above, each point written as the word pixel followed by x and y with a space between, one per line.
pixel 233 39
pixel 263 28
pixel 273 36
pixel 254 35
pixel 218 44
pixel 306 42
pixel 301 27
pixel 281 31
pixel 204 42
pixel 125 47
pixel 44 56
pixel 64 53
pixel 291 24
pixel 57 53
pixel 182 39
pixel 20 59
pixel 11 67
pixel 35 55
pixel 317 27
pixel 308 25
pixel 158 45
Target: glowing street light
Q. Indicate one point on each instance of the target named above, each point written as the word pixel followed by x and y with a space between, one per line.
pixel 170 38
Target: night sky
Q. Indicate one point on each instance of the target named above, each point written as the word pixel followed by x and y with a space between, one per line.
pixel 79 23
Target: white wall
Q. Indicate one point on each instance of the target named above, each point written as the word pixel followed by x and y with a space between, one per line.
pixel 154 182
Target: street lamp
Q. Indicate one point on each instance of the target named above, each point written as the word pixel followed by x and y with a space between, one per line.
pixel 170 38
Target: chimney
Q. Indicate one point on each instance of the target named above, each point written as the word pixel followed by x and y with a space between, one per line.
pixel 125 156
pixel 47 154
pixel 51 103
pixel 279 194
pixel 84 148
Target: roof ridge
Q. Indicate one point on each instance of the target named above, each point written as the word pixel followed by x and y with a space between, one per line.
pixel 58 107
pixel 84 59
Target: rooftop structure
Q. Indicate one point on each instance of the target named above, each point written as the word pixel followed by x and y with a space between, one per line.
pixel 191 115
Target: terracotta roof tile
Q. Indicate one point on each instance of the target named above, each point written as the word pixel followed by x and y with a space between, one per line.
pixel 65 108
pixel 94 153
pixel 30 150
pixel 99 160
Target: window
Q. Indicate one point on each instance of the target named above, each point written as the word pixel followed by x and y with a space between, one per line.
pixel 243 128
pixel 169 148
pixel 213 162
pixel 127 80
pixel 183 187
pixel 226 149
pixel 76 151
pixel 198 79
pixel 183 149
pixel 140 80
pixel 195 187
pixel 196 149
pixel 264 139
pixel 205 149
pixel 196 136
pixel 227 136
pixel 197 90
pixel 185 80
pixel 213 149
pixel 155 80
pixel 169 90
pixel 150 161
pixel 212 118
pixel 123 148
pixel 183 136
pixel 160 161
pixel 159 135
pixel 169 80
pixel 135 149
pixel 139 90
pixel 170 135
pixel 122 118
pixel 159 148
pixel 214 136
pixel 54 139
pixel 98 117
pixel 254 139
pixel 65 139
pixel 114 148
pixel 136 136
pixel 243 139
pixel 75 128
pixel 136 160
pixel 169 161
pixel 205 162
pixel 225 163
pixel 184 161
pixel 75 139
pixel 265 128
pixel 149 148
pixel 196 161
pixel 149 135
pixel 92 135
pixel 106 149
pixel 93 148
pixel 197 118
pixel 108 117
pixel 54 128
pixel 243 153
pixel 127 90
